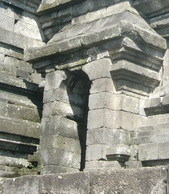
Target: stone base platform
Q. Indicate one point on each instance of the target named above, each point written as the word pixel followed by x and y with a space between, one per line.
pixel 133 181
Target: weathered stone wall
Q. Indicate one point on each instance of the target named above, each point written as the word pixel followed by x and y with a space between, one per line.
pixel 104 69
pixel 20 97
pixel 123 60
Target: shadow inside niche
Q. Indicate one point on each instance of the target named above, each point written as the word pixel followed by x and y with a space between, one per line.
pixel 78 86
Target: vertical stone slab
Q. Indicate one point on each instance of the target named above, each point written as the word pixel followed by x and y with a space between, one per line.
pixel 60 146
pixel 103 114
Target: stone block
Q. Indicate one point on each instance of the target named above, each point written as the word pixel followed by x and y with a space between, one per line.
pixel 18 40
pixel 8 50
pixel 104 118
pixel 82 8
pixel 133 104
pixel 8 159
pixel 141 181
pixel 145 154
pixel 64 95
pixel 16 99
pixel 152 102
pixel 22 74
pixel 96 152
pixel 18 64
pixel 7 69
pixel 55 80
pixel 60 142
pixel 104 100
pixel 6 22
pixel 24 113
pixel 61 157
pixel 21 185
pixel 62 109
pixel 27 25
pixel 19 127
pixel 107 136
pixel 71 44
pixel 5 10
pixel 56 95
pixel 163 151
pixel 155 120
pixel 114 102
pixel 61 126
pixel 65 183
pixel 153 138
pixel 130 121
pixel 18 83
pixel 98 69
pixel 102 85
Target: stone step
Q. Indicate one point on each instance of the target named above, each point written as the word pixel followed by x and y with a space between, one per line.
pixel 19 127
pixel 16 99
pixel 153 151
pixel 13 158
pixel 18 111
pixel 6 81
pixel 150 139
pixel 151 134
pixel 17 146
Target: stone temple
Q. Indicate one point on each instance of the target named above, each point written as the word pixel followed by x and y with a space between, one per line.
pixel 84 96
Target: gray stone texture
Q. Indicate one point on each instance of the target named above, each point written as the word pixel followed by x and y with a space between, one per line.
pixel 149 180
pixel 20 97
pixel 88 80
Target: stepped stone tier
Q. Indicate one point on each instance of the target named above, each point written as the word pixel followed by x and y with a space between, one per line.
pixel 84 86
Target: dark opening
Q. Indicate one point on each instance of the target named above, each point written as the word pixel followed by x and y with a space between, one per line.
pixel 78 86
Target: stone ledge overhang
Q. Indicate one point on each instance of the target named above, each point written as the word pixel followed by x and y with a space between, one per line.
pixel 27 5
pixel 48 5
pixel 18 85
pixel 155 106
pixel 124 71
pixel 161 25
pixel 157 13
pixel 96 33
pixel 19 127
pixel 152 8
